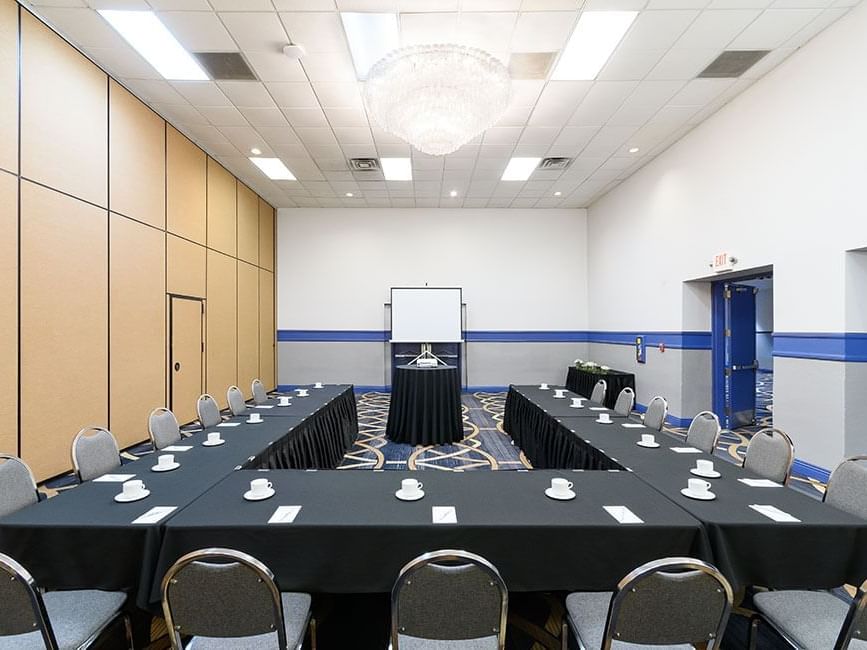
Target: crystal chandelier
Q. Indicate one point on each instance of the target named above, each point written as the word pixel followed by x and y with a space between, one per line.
pixel 437 97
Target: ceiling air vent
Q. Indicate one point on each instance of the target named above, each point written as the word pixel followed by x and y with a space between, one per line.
pixel 364 164
pixel 225 66
pixel 732 63
pixel 551 164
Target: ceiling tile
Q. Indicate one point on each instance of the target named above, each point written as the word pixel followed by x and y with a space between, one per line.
pixel 700 91
pixel 502 135
pixel 279 135
pixel 539 135
pixel 317 32
pixel 558 101
pixel 424 28
pixel 180 5
pixel 526 92
pixel 255 32
pixel 329 66
pixel 515 116
pixel 154 91
pixel 199 31
pixel 629 65
pixel 346 117
pixel 246 5
pixel 123 62
pixel 305 117
pixel 773 28
pixel 827 17
pixel 614 5
pixel 715 29
pixel 274 66
pixel 679 63
pixel 677 4
pixel 304 5
pixel 247 94
pixel 316 135
pixel 602 100
pixel 244 137
pixel 542 31
pixel 223 115
pixel 83 26
pixel 657 30
pixel 293 94
pixel 353 135
pixel 489 31
pixel 182 114
pixel 338 95
pixel 739 4
pixel 202 93
pixel 264 116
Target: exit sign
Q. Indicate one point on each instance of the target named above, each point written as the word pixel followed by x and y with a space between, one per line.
pixel 723 262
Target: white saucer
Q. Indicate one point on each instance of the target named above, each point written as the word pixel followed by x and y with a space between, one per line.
pixel 561 397
pixel 400 494
pixel 121 498
pixel 255 421
pixel 289 404
pixel 708 496
pixel 559 497
pixel 713 474
pixel 546 388
pixel 167 468
pixel 598 421
pixel 646 446
pixel 213 444
pixel 576 406
pixel 266 495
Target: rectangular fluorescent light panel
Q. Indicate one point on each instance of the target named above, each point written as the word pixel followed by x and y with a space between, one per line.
pixel 396 169
pixel 595 38
pixel 519 169
pixel 273 168
pixel 371 37
pixel 150 38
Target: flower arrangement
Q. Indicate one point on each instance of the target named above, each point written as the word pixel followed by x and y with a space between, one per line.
pixel 590 366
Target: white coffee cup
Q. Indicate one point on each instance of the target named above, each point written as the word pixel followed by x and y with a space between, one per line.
pixel 318 384
pixel 165 460
pixel 704 466
pixel 543 386
pixel 283 400
pixel 560 392
pixel 410 486
pixel 302 392
pixel 260 486
pixel 560 486
pixel 578 401
pixel 255 417
pixel 214 437
pixel 698 486
pixel 605 417
pixel 648 439
pixel 132 489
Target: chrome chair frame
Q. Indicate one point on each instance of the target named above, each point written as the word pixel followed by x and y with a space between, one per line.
pixel 161 409
pixel 718 427
pixel 82 433
pixel 449 555
pixel 791 450
pixel 604 390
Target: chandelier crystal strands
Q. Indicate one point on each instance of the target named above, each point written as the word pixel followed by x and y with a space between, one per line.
pixel 437 97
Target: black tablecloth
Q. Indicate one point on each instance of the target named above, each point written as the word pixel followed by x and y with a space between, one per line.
pixel 353 536
pixel 425 406
pixel 582 382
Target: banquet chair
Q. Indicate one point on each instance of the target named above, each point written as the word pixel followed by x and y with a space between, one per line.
pixel 451 600
pixel 770 454
pixel 208 411
pixel 704 431
pixel 847 487
pixel 235 397
pixel 599 391
pixel 675 602
pixel 657 410
pixel 94 453
pixel 17 485
pixel 625 401
pixel 227 599
pixel 57 620
pixel 260 395
pixel 163 428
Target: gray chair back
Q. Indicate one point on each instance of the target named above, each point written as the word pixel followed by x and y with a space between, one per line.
pixel 208 411
pixel 599 391
pixel 223 593
pixel 23 610
pixel 704 432
pixel 94 453
pixel 449 595
pixel 235 397
pixel 847 487
pixel 625 402
pixel 260 395
pixel 656 412
pixel 163 428
pixel 17 485
pixel 677 600
pixel 770 454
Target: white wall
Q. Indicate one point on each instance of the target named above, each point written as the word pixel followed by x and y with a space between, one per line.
pixel 777 177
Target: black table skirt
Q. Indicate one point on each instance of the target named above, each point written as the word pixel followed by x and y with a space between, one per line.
pixel 582 382
pixel 425 407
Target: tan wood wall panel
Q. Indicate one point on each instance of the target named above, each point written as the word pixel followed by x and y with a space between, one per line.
pixel 186 267
pixel 248 326
pixel 137 326
pixel 137 158
pixel 222 213
pixel 9 85
pixel 8 314
pixel 221 313
pixel 267 331
pixel 248 224
pixel 266 236
pixel 64 123
pixel 187 187
pixel 64 319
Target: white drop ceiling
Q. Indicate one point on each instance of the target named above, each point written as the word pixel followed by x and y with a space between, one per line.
pixel 310 114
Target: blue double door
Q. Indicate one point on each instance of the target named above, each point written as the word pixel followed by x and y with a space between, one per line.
pixel 734 348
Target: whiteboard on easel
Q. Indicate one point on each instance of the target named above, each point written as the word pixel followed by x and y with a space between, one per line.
pixel 426 315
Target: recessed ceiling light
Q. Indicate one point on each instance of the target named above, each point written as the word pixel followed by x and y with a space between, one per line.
pixel 349 194
pixel 453 193
pixel 396 169
pixel 150 38
pixel 634 149
pixel 593 41
pixel 255 151
pixel 371 36
pixel 519 169
pixel 558 193
pixel 273 168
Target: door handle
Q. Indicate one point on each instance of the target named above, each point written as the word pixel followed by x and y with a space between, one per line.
pixel 177 366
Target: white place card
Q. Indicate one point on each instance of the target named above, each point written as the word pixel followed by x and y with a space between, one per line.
pixel 772 512
pixel 598 408
pixel 759 482
pixel 177 448
pixel 685 450
pixel 264 406
pixel 284 514
pixel 444 515
pixel 623 515
pixel 633 425
pixel 153 515
pixel 229 424
pixel 113 478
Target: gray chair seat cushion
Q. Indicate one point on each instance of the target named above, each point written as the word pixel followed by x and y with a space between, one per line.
pixel 296 608
pixel 587 614
pixel 812 619
pixel 407 642
pixel 75 616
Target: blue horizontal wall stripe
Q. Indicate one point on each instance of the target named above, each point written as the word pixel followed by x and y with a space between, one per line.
pixel 332 335
pixel 826 346
pixel 687 340
pixel 526 336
